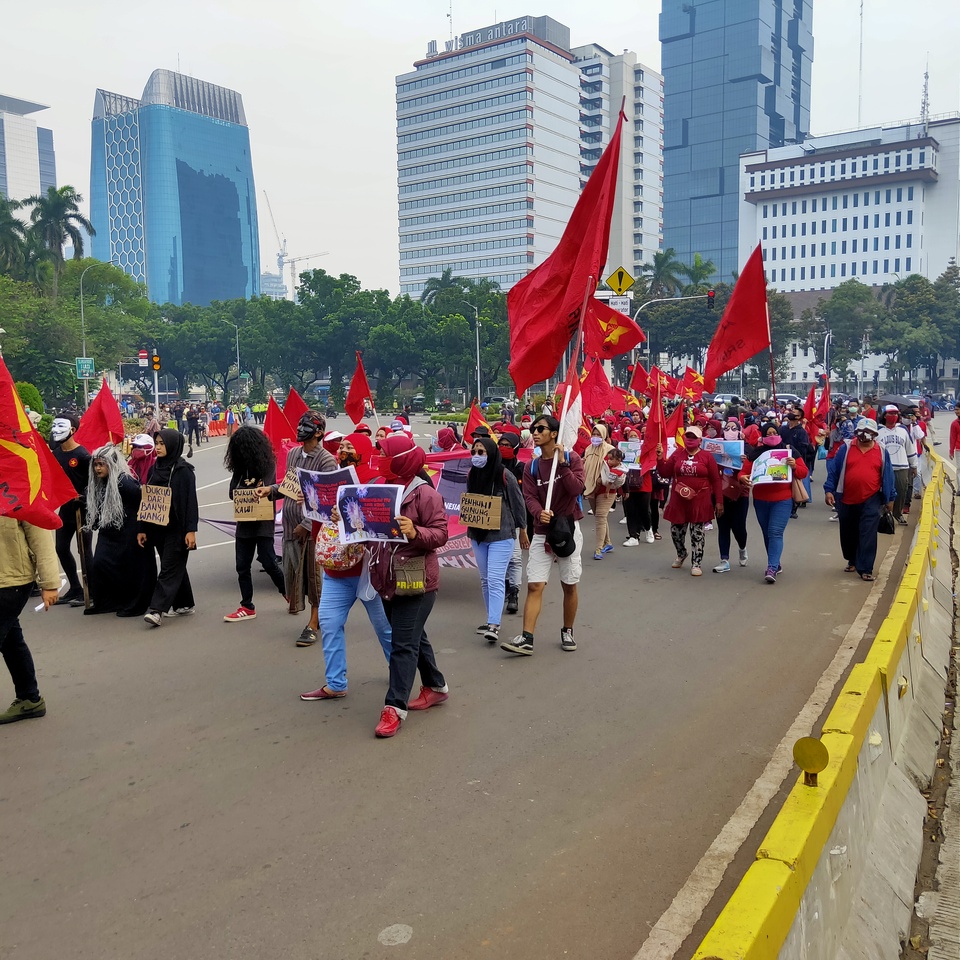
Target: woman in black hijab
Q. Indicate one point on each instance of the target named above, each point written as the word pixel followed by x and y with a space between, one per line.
pixel 173 541
pixel 509 444
pixel 494 548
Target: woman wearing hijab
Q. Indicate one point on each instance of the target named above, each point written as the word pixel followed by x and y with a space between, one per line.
pixel 251 461
pixel 340 567
pixel 122 576
pixel 598 495
pixel 445 441
pixel 696 487
pixel 509 446
pixel 772 502
pixel 736 503
pixel 494 548
pixel 173 595
pixel 143 456
pixel 407 577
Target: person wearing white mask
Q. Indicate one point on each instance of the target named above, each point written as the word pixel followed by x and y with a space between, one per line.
pixel 75 460
pixel 598 494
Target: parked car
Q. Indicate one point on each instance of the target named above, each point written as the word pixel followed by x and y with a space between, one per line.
pixel 418 404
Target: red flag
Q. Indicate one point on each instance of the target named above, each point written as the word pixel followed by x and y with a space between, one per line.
pixel 544 307
pixel 358 392
pixel 627 400
pixel 102 423
pixel 676 423
pixel 595 391
pixel 655 431
pixel 744 329
pixel 294 407
pixel 640 381
pixel 33 483
pixel 278 428
pixel 692 384
pixel 476 419
pixel 608 333
pixel 815 412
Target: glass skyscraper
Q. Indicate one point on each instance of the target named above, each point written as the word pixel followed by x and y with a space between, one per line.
pixel 172 196
pixel 28 164
pixel 736 78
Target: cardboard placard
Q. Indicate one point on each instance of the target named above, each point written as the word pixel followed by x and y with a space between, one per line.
pixel 248 506
pixel 155 505
pixel 290 487
pixel 477 510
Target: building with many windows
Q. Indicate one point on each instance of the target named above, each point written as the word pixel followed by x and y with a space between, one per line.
pixel 496 135
pixel 172 196
pixel 28 164
pixel 875 204
pixel 736 78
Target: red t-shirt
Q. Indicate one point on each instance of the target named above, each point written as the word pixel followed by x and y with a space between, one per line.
pixel 863 476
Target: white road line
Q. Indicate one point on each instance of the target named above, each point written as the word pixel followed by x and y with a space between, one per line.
pixel 215 482
pixel 222 543
pixel 678 920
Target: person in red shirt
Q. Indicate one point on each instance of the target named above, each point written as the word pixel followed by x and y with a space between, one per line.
pixel 955 439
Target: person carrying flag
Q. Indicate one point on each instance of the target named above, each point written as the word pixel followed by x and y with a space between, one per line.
pixel 75 460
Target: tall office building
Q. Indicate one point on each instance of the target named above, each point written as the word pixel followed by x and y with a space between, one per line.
pixel 172 196
pixel 28 165
pixel 736 79
pixel 497 134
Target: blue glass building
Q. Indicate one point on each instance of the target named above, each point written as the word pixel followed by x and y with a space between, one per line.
pixel 736 78
pixel 172 196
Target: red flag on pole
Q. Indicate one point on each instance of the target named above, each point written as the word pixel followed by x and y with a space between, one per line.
pixel 102 423
pixel 294 407
pixel 595 391
pixel 692 384
pixel 655 431
pixel 358 392
pixel 676 423
pixel 608 333
pixel 815 411
pixel 744 329
pixel 640 381
pixel 34 484
pixel 278 428
pixel 476 419
pixel 544 308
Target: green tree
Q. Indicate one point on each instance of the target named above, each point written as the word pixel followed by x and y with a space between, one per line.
pixel 56 220
pixel 662 274
pixel 697 274
pixel 12 231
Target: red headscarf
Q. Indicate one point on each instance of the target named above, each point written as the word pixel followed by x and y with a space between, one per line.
pixel 364 447
pixel 401 459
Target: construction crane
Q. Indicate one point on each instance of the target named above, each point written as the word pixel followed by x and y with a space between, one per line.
pixel 293 261
pixel 281 244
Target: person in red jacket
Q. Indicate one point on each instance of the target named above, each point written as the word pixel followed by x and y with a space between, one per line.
pixel 395 572
pixel 955 439
pixel 696 488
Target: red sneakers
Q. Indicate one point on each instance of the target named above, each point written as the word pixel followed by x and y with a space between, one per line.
pixel 389 723
pixel 242 613
pixel 428 698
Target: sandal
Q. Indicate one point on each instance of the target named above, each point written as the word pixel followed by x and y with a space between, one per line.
pixel 324 693
pixel 849 568
pixel 869 577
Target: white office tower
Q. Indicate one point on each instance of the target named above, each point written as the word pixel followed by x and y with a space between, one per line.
pixel 28 164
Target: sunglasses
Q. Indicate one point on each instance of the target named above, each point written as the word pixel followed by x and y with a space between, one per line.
pixel 540 429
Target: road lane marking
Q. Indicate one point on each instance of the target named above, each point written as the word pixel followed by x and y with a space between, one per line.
pixel 207 486
pixel 678 920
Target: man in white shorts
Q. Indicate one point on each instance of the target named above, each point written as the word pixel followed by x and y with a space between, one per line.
pixel 567 490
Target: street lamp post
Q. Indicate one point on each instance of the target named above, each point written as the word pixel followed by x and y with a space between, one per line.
pixel 476 318
pixel 864 347
pixel 828 336
pixel 83 329
pixel 237 329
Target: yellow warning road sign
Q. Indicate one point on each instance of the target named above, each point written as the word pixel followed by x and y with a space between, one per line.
pixel 620 281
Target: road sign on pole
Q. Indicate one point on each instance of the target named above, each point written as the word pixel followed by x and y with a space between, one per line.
pixel 620 281
pixel 620 304
pixel 85 368
pixel 142 358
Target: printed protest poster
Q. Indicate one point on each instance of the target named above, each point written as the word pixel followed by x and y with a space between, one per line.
pixel 154 505
pixel 248 506
pixel 369 513
pixel 290 486
pixel 320 491
pixel 631 453
pixel 727 453
pixel 477 510
pixel 772 467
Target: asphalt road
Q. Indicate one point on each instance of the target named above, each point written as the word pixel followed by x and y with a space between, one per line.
pixel 180 801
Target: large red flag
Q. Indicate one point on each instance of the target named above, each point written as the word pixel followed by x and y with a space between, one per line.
pixel 626 400
pixel 608 333
pixel 544 307
pixel 744 329
pixel 476 419
pixel 655 431
pixel 294 407
pixel 32 483
pixel 358 392
pixel 692 384
pixel 102 423
pixel 595 391
pixel 640 380
pixel 278 428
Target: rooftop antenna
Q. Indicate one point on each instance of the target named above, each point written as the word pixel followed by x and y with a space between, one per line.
pixel 925 99
pixel 450 18
pixel 860 84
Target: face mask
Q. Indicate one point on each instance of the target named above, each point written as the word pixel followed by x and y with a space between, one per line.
pixel 890 421
pixel 479 460
pixel 852 411
pixel 711 433
pixel 348 458
pixel 864 436
pixel 773 441
pixel 383 467
pixel 731 434
pixel 506 453
pixel 596 441
pixel 691 443
pixel 60 430
pixel 304 433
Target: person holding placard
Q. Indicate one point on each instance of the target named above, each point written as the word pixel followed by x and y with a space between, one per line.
pixel 509 446
pixel 250 459
pixel 736 505
pixel 598 494
pixel 500 516
pixel 172 536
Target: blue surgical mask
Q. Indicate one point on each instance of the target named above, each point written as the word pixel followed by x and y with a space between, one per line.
pixel 479 460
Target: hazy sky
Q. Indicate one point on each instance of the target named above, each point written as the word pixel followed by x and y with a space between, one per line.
pixel 317 80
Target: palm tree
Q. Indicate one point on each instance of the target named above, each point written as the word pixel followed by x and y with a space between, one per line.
pixel 56 219
pixel 436 285
pixel 662 273
pixel 11 236
pixel 699 272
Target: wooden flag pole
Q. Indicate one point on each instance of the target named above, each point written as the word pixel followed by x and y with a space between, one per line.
pixel 773 378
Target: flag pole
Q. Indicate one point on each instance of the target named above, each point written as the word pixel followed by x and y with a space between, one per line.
pixel 773 379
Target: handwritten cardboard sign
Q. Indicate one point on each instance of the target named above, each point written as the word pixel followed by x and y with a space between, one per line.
pixel 155 505
pixel 248 506
pixel 290 487
pixel 477 510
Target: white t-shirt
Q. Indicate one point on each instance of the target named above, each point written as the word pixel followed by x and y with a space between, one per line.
pixel 899 445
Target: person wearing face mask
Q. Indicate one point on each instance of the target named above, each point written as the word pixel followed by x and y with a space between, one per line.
pixel 509 446
pixel 902 450
pixel 795 436
pixel 600 496
pixel 445 441
pixel 861 483
pixel 142 457
pixel 407 577
pixel 75 460
pixel 955 439
pixel 736 504
pixel 299 569
pixel 493 549
pixel 696 488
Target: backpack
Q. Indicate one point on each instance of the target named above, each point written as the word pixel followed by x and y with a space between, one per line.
pixel 566 456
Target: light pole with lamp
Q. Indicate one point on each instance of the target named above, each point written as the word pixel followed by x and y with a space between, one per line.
pixel 476 318
pixel 83 328
pixel 237 329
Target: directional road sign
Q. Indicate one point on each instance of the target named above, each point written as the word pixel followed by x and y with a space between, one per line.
pixel 142 358
pixel 85 368
pixel 620 304
pixel 620 281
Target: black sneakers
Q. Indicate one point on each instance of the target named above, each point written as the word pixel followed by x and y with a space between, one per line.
pixel 566 639
pixel 522 645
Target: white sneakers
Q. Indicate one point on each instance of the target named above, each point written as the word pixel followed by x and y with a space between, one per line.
pixel 649 536
pixel 743 557
pixel 631 542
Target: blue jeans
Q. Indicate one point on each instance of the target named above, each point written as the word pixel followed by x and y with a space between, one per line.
pixel 773 517
pixel 493 558
pixel 336 599
pixel 515 566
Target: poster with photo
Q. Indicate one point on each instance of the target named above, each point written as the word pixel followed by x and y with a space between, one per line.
pixel 320 491
pixel 772 467
pixel 631 454
pixel 727 453
pixel 369 513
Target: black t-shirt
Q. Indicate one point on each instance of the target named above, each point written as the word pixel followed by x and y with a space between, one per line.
pixel 76 465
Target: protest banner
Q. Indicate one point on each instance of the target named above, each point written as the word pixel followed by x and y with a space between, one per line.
pixel 154 505
pixel 369 512
pixel 631 453
pixel 290 487
pixel 772 467
pixel 248 506
pixel 727 453
pixel 320 491
pixel 482 512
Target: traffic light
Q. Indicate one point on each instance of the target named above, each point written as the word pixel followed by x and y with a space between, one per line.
pixel 711 296
pixel 155 361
